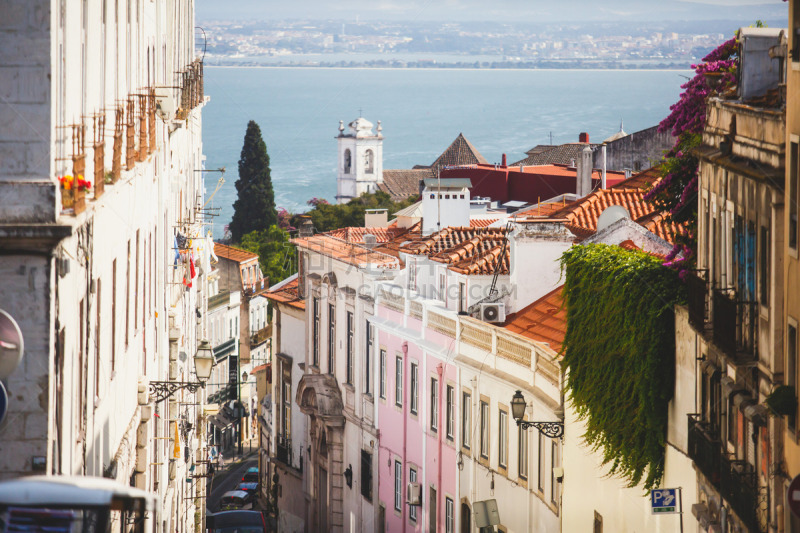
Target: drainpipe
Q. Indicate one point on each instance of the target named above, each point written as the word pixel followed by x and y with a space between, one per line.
pixel 406 405
pixel 440 372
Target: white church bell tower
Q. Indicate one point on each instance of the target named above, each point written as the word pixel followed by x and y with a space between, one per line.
pixel 360 167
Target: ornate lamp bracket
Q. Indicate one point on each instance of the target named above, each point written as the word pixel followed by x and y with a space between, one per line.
pixel 553 430
pixel 161 390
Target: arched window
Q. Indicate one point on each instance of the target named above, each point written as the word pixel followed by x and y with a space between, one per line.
pixel 369 162
pixel 348 161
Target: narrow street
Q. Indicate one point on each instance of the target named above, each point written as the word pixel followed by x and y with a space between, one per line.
pixel 226 480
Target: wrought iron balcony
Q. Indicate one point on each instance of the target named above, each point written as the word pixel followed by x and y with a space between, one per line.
pixel 705 449
pixel 191 84
pixel 697 299
pixel 735 326
pixel 284 450
pixel 739 487
pixel 261 336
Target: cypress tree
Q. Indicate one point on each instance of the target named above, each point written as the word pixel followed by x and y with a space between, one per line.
pixel 254 209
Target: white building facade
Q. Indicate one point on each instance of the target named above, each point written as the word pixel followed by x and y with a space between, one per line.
pixel 360 159
pixel 107 298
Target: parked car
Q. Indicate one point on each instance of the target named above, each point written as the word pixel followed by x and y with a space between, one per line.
pixel 249 487
pixel 236 522
pixel 236 499
pixel 251 475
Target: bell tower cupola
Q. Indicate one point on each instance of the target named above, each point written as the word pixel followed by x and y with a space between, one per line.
pixel 360 159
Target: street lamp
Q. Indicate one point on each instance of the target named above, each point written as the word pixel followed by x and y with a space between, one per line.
pixel 549 429
pixel 203 363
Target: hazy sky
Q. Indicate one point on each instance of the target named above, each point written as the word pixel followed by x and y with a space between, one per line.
pixel 497 10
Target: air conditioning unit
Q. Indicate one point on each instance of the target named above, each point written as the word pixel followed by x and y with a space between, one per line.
pixel 494 312
pixel 414 494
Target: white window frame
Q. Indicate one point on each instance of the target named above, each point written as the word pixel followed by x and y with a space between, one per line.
pixel 398 486
pixel 398 381
pixel 434 404
pixel 451 408
pixel 383 374
pixel 449 522
pixel 414 401
pixel 412 478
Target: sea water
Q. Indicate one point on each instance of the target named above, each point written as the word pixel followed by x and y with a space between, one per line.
pixel 421 112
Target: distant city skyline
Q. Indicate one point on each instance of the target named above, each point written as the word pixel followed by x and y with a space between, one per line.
pixel 506 11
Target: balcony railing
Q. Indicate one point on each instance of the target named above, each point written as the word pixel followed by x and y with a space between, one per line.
pixel 705 449
pixel 260 336
pixel 191 88
pixel 735 326
pixel 735 480
pixel 284 450
pixel 697 299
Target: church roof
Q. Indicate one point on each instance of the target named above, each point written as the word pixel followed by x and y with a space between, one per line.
pixel 460 152
pixel 400 184
pixel 619 135
pixel 359 128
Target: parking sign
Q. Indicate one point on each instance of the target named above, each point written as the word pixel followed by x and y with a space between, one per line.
pixel 664 500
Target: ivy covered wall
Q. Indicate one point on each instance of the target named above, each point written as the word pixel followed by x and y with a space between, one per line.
pixel 619 354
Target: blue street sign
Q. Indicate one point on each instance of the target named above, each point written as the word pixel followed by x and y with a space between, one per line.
pixel 3 402
pixel 664 500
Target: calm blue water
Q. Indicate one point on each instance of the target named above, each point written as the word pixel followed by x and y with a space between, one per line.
pixel 421 111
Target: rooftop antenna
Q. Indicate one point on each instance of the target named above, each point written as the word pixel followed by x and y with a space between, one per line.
pixel 360 112
pixel 439 199
pixel 551 138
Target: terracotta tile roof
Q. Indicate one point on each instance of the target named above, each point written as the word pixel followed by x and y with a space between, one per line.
pixel 482 222
pixel 562 154
pixel 544 209
pixel 642 180
pixel 352 254
pixel 400 184
pixel 544 320
pixel 539 148
pixel 467 250
pixel 234 254
pixel 460 152
pixel 288 294
pixel 356 235
pixel 449 238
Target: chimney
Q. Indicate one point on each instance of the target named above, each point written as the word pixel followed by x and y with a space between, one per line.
pixel 584 173
pixel 583 137
pixel 306 227
pixel 504 161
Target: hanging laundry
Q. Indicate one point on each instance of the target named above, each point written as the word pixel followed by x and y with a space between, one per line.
pixel 182 240
pixel 175 249
pixel 192 271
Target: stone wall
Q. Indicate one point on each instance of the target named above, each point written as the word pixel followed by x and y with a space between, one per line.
pixel 638 151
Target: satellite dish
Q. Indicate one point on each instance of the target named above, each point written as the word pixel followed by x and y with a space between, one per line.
pixel 610 215
pixel 11 345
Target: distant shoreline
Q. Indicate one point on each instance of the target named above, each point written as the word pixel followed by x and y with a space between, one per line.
pixel 542 69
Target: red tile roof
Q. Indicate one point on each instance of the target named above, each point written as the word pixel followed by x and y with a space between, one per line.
pixel 352 254
pixel 288 294
pixel 544 320
pixel 642 180
pixel 467 250
pixel 232 253
pixel 482 222
pixel 356 235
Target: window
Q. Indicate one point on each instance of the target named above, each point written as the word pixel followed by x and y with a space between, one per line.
pixel 484 429
pixel 366 475
pixel 398 381
pixel 434 404
pixel 523 453
pixel 763 267
pixel 383 374
pixel 555 461
pixel 432 511
pixel 793 190
pixel 451 400
pixel 598 523
pixel 286 400
pixel 315 333
pixel 414 388
pixel 348 161
pixel 350 326
pixel 398 486
pixel 449 525
pixel 541 462
pixel 368 361
pixel 369 162
pixel 442 295
pixel 791 366
pixel 462 297
pixel 331 338
pixel 466 419
pixel 412 276
pixel 412 511
pixel 502 456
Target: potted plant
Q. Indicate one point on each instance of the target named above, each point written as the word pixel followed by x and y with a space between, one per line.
pixel 782 401
pixel 73 192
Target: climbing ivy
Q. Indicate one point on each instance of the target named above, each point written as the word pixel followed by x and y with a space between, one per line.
pixel 619 354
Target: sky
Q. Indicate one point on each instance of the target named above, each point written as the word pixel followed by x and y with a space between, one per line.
pixel 495 11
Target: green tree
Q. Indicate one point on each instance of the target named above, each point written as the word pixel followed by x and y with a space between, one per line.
pixel 275 254
pixel 328 217
pixel 255 207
